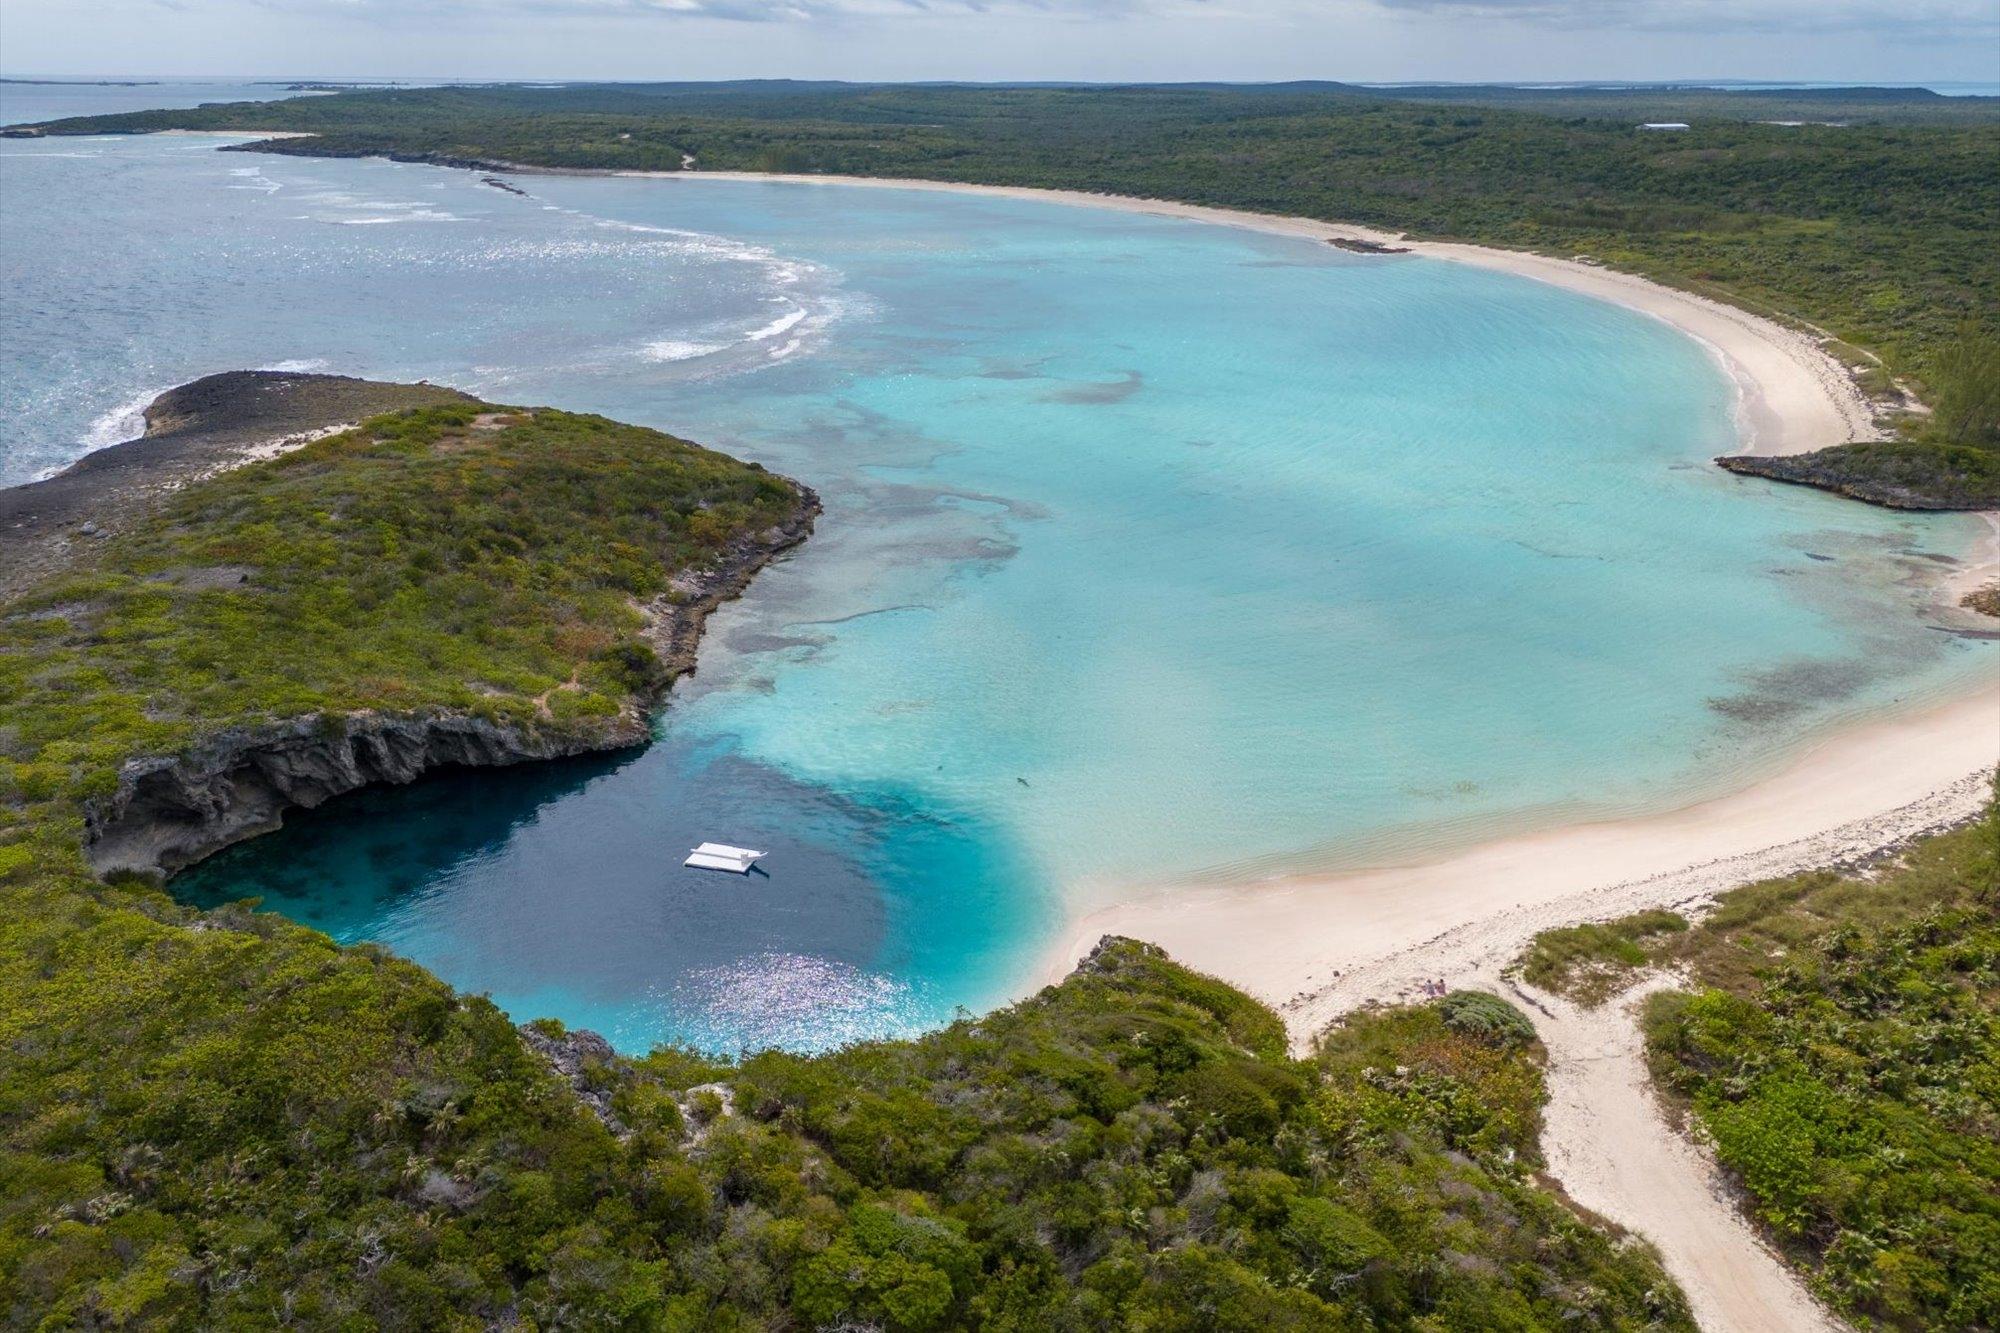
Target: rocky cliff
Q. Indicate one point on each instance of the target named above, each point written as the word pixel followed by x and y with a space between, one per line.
pixel 170 811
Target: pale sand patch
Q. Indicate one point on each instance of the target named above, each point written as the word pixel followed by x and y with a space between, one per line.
pixel 1792 397
pixel 259 451
pixel 1317 946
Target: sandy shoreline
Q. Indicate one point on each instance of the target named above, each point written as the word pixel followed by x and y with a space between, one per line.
pixel 1792 397
pixel 1318 946
pixel 1980 569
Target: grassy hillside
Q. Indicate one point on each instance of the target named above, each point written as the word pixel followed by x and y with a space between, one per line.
pixel 1841 1047
pixel 222 1120
pixel 486 563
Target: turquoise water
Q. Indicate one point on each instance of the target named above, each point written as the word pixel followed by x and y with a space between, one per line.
pixel 1153 551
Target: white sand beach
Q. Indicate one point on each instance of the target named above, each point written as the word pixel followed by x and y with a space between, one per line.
pixel 1318 946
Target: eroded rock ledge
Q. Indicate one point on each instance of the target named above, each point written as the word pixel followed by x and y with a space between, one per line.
pixel 170 811
pixel 1896 474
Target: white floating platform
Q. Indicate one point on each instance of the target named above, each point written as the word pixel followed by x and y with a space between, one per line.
pixel 721 856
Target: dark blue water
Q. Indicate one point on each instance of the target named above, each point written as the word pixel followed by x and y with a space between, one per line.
pixel 561 887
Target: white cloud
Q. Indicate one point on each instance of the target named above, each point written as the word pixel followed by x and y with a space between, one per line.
pixel 750 11
pixel 1856 41
pixel 1964 19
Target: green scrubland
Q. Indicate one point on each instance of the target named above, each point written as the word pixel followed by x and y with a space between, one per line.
pixel 1839 1044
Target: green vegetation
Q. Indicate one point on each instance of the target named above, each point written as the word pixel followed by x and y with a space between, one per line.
pixel 214 1127
pixel 1591 962
pixel 1841 1048
pixel 223 1120
pixel 1948 460
pixel 434 559
pixel 1967 375
pixel 1880 227
pixel 1901 474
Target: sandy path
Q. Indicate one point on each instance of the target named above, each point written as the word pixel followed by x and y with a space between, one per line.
pixel 1607 1141
pixel 1792 397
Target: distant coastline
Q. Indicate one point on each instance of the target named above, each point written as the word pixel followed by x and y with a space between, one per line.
pixel 87 83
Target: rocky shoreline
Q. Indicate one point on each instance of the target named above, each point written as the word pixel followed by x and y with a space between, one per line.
pixel 1885 473
pixel 169 811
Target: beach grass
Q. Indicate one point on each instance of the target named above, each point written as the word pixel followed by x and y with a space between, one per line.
pixel 1594 960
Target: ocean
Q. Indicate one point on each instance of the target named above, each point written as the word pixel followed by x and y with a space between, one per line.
pixel 1153 551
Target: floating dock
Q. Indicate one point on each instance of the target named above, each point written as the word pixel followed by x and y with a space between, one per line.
pixel 721 856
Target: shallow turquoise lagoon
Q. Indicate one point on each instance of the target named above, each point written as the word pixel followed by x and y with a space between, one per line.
pixel 1153 550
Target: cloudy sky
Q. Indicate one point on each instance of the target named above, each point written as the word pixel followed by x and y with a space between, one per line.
pixel 1859 40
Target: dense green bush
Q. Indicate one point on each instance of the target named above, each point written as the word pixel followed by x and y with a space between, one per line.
pixel 1489 1016
pixel 1966 376
pixel 1845 1059
pixel 208 1127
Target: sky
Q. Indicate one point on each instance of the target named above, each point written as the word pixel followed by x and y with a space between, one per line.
pixel 1878 41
